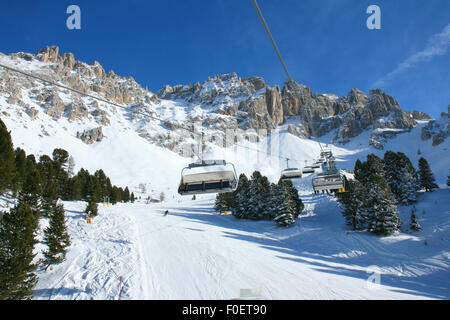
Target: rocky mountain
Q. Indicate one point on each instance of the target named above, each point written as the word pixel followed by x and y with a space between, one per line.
pixel 223 102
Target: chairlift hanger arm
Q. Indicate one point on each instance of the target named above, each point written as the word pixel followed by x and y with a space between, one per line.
pixel 255 4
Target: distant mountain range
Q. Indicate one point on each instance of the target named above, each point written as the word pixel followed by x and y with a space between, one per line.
pixel 220 103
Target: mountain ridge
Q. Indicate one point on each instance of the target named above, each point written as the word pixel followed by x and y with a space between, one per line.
pixel 219 103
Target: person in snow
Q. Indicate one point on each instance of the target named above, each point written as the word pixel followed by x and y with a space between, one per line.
pixel 166 212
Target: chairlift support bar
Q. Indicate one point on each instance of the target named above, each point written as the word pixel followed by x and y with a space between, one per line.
pixel 271 38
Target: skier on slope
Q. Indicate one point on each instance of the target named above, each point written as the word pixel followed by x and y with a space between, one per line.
pixel 166 212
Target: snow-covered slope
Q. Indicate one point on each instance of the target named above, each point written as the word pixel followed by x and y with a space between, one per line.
pixel 195 253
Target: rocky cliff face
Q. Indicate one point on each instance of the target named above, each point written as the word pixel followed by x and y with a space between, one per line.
pixel 220 103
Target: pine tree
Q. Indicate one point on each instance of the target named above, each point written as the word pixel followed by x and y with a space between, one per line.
pixel 298 204
pixel 427 180
pixel 91 208
pixel 353 200
pixel 17 240
pixel 31 190
pixel 381 212
pixel 116 195
pixel 126 195
pixel 49 196
pixel 407 187
pixel 7 163
pixel 71 167
pixel 132 198
pixel 221 204
pixel 20 161
pixel 285 210
pixel 240 196
pixel 448 178
pixel 392 166
pixel 56 236
pixel 414 222
pixel 60 162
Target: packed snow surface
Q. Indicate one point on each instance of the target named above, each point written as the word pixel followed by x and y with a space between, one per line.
pixel 196 253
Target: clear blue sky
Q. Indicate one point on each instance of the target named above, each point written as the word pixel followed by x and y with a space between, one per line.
pixel 325 43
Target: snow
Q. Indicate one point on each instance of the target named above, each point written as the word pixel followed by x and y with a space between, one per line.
pixel 195 253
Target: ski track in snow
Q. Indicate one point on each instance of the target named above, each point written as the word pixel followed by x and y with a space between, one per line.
pixel 195 253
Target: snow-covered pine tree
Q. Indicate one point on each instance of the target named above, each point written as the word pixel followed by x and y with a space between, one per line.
pixel 426 180
pixel 448 178
pixel 364 170
pixel 401 176
pixel 258 193
pixel 56 236
pixel 222 202
pixel 382 213
pixel 353 201
pixel 405 162
pixel 407 187
pixel 71 167
pixel 17 240
pixel 392 166
pixel 298 204
pixel 286 209
pixel 240 197
pixel 414 222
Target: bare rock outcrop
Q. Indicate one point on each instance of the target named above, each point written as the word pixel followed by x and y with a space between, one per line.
pixel 91 136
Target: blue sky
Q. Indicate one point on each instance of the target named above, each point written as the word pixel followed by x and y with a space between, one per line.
pixel 325 43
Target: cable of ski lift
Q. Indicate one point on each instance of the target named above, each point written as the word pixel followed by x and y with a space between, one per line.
pixel 255 4
pixel 76 91
pixel 115 104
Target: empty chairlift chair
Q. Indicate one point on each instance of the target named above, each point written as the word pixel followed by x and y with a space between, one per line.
pixel 308 169
pixel 330 180
pixel 208 176
pixel 290 174
pixel 315 165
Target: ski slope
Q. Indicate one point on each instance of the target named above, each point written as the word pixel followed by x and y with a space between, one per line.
pixel 195 253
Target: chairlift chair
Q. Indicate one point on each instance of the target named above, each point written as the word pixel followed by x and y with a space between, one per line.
pixel 308 169
pixel 329 182
pixel 291 173
pixel 208 176
pixel 330 179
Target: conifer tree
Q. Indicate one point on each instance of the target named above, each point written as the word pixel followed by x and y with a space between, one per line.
pixel 240 196
pixel 285 210
pixel 56 236
pixel 382 213
pixel 221 204
pixel 353 201
pixel 91 208
pixel 132 198
pixel 414 222
pixel 448 178
pixel 31 191
pixel 126 195
pixel 20 161
pixel 7 163
pixel 427 180
pixel 17 240
pixel 298 204
pixel 407 187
